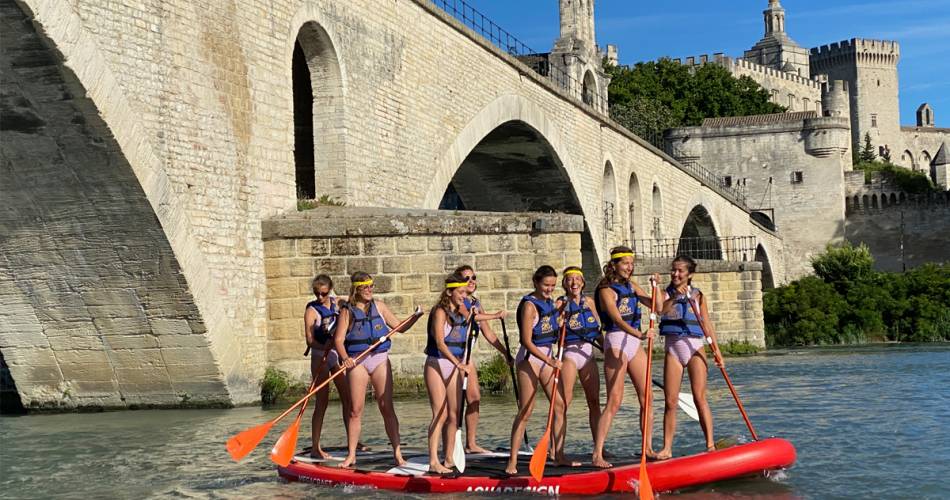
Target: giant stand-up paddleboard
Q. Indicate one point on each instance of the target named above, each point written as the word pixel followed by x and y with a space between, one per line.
pixel 486 472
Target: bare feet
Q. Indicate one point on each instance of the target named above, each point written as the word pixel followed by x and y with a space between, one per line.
pixel 564 462
pixel 475 449
pixel 651 455
pixel 397 456
pixel 511 471
pixel 664 454
pixel 710 447
pixel 348 462
pixel 319 454
pixel 437 468
pixel 362 447
pixel 599 462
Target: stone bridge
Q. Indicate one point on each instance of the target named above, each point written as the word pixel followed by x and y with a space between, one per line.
pixel 145 144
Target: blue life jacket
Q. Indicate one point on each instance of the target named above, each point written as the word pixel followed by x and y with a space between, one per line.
pixel 365 330
pixel 328 315
pixel 454 340
pixel 627 303
pixel 469 304
pixel 546 331
pixel 581 323
pixel 682 321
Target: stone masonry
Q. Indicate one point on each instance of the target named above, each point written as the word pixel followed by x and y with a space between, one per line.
pixel 410 252
pixel 190 103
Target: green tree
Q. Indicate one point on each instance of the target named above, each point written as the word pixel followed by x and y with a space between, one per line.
pixel 844 265
pixel 867 154
pixel 663 93
pixel 804 312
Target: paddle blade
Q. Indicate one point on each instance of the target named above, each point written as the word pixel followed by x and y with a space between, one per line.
pixel 243 443
pixel 646 489
pixel 540 456
pixel 687 405
pixel 283 451
pixel 458 454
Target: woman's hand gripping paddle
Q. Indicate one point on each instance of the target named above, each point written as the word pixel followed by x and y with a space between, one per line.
pixel 514 382
pixel 245 441
pixel 540 456
pixel 458 453
pixel 646 489
pixel 718 356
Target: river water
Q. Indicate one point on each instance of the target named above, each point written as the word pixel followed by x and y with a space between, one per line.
pixel 867 422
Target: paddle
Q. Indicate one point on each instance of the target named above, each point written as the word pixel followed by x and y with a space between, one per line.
pixel 646 489
pixel 685 402
pixel 514 379
pixel 718 355
pixel 458 453
pixel 540 456
pixel 245 441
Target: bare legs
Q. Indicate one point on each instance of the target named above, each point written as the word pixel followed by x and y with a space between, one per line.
pixel 615 365
pixel 358 379
pixel 528 377
pixel 590 381
pixel 473 397
pixel 672 382
pixel 443 397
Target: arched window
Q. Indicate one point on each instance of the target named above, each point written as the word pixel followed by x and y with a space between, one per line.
pixel 634 210
pixel 893 199
pixel 589 90
pixel 657 226
pixel 610 200
pixel 874 201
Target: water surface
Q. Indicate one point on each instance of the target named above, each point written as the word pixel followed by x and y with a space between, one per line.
pixel 867 422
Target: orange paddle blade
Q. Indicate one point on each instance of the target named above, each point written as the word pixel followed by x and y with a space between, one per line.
pixel 283 450
pixel 540 456
pixel 646 489
pixel 243 443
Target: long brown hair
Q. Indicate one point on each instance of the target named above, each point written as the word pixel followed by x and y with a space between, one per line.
pixel 445 298
pixel 611 275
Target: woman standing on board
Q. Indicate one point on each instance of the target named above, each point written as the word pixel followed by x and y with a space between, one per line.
pixel 473 395
pixel 448 332
pixel 618 300
pixel 538 323
pixel 684 348
pixel 583 330
pixel 319 320
pixel 361 323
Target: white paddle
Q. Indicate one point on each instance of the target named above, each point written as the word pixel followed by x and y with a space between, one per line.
pixel 458 454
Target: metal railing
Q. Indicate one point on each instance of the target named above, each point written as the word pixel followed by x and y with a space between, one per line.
pixel 730 248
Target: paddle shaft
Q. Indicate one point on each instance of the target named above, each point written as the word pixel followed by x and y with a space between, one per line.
pixel 732 389
pixel 648 397
pixel 357 359
pixel 469 345
pixel 557 376
pixel 511 369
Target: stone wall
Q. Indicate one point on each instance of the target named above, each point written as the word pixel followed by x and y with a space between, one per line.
pixel 785 163
pixel 920 147
pixel 409 254
pixel 920 226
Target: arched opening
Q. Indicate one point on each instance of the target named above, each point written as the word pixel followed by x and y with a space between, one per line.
pixel 848 208
pixel 656 226
pixel 589 89
pixel 907 158
pixel 764 219
pixel 902 198
pixel 856 202
pixel 610 201
pixel 514 169
pixel 768 282
pixel 925 159
pixel 893 199
pixel 633 195
pixel 10 402
pixel 865 202
pixel 698 238
pixel 883 200
pixel 319 129
pixel 874 201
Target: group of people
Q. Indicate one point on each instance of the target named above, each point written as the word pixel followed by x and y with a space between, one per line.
pixel 338 330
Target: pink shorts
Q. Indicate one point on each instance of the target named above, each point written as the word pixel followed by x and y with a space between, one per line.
pixel 627 344
pixel 523 353
pixel 316 359
pixel 683 347
pixel 580 352
pixel 444 366
pixel 374 360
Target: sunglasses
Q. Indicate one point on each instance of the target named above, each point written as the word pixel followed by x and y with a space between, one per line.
pixel 472 278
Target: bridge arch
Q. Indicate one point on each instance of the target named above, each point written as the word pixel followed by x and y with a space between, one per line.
pixel 319 108
pixel 761 255
pixel 635 210
pixel 699 237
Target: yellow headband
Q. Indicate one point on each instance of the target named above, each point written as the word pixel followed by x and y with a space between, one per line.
pixel 619 255
pixel 574 271
pixel 456 284
pixel 362 283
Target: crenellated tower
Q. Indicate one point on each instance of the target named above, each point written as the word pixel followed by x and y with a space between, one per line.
pixel 576 53
pixel 870 68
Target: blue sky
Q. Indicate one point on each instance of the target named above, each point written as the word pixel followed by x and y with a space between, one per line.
pixel 680 28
